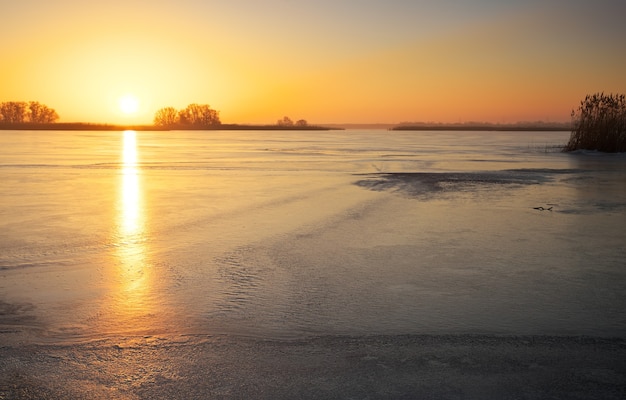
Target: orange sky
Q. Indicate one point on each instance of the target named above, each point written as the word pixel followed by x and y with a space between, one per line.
pixel 326 61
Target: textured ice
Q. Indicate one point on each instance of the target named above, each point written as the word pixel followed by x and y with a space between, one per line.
pixel 289 235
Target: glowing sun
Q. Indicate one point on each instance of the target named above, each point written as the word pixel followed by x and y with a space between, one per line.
pixel 128 104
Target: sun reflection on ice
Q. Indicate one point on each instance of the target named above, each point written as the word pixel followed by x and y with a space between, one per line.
pixel 130 218
pixel 132 275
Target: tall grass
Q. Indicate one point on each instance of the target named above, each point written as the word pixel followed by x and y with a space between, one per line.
pixel 599 124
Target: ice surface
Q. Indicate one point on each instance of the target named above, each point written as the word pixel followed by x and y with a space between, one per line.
pixel 290 235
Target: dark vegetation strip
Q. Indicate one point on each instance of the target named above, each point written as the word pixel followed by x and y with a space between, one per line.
pixel 80 126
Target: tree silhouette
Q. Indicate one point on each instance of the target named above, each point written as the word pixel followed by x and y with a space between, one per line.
pixel 20 112
pixel 195 116
pixel 41 114
pixel 285 121
pixel 166 117
pixel 199 115
pixel 13 112
pixel 288 122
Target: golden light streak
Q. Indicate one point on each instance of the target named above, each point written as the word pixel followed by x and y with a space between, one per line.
pixel 130 217
pixel 131 303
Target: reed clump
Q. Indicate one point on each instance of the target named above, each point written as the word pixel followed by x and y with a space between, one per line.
pixel 599 124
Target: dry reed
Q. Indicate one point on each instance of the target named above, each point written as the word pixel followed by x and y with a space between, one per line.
pixel 599 124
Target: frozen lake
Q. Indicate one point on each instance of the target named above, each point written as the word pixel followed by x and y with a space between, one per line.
pixel 299 234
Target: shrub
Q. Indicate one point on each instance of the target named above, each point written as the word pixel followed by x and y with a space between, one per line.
pixel 599 124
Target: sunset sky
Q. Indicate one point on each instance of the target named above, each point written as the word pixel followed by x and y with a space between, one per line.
pixel 326 61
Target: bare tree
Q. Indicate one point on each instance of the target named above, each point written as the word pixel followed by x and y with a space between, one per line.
pixel 195 115
pixel 20 112
pixel 166 117
pixel 285 121
pixel 41 114
pixel 13 112
pixel 199 115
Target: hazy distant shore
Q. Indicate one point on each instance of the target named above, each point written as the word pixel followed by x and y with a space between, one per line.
pixel 557 127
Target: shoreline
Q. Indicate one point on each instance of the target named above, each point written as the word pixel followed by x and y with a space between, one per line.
pixel 85 126
pixel 81 126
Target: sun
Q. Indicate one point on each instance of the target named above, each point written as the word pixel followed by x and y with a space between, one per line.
pixel 128 104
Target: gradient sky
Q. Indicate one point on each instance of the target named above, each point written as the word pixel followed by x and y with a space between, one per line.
pixel 326 61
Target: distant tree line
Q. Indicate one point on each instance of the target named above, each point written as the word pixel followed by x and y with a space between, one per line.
pixel 22 112
pixel 286 121
pixel 599 124
pixel 195 116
